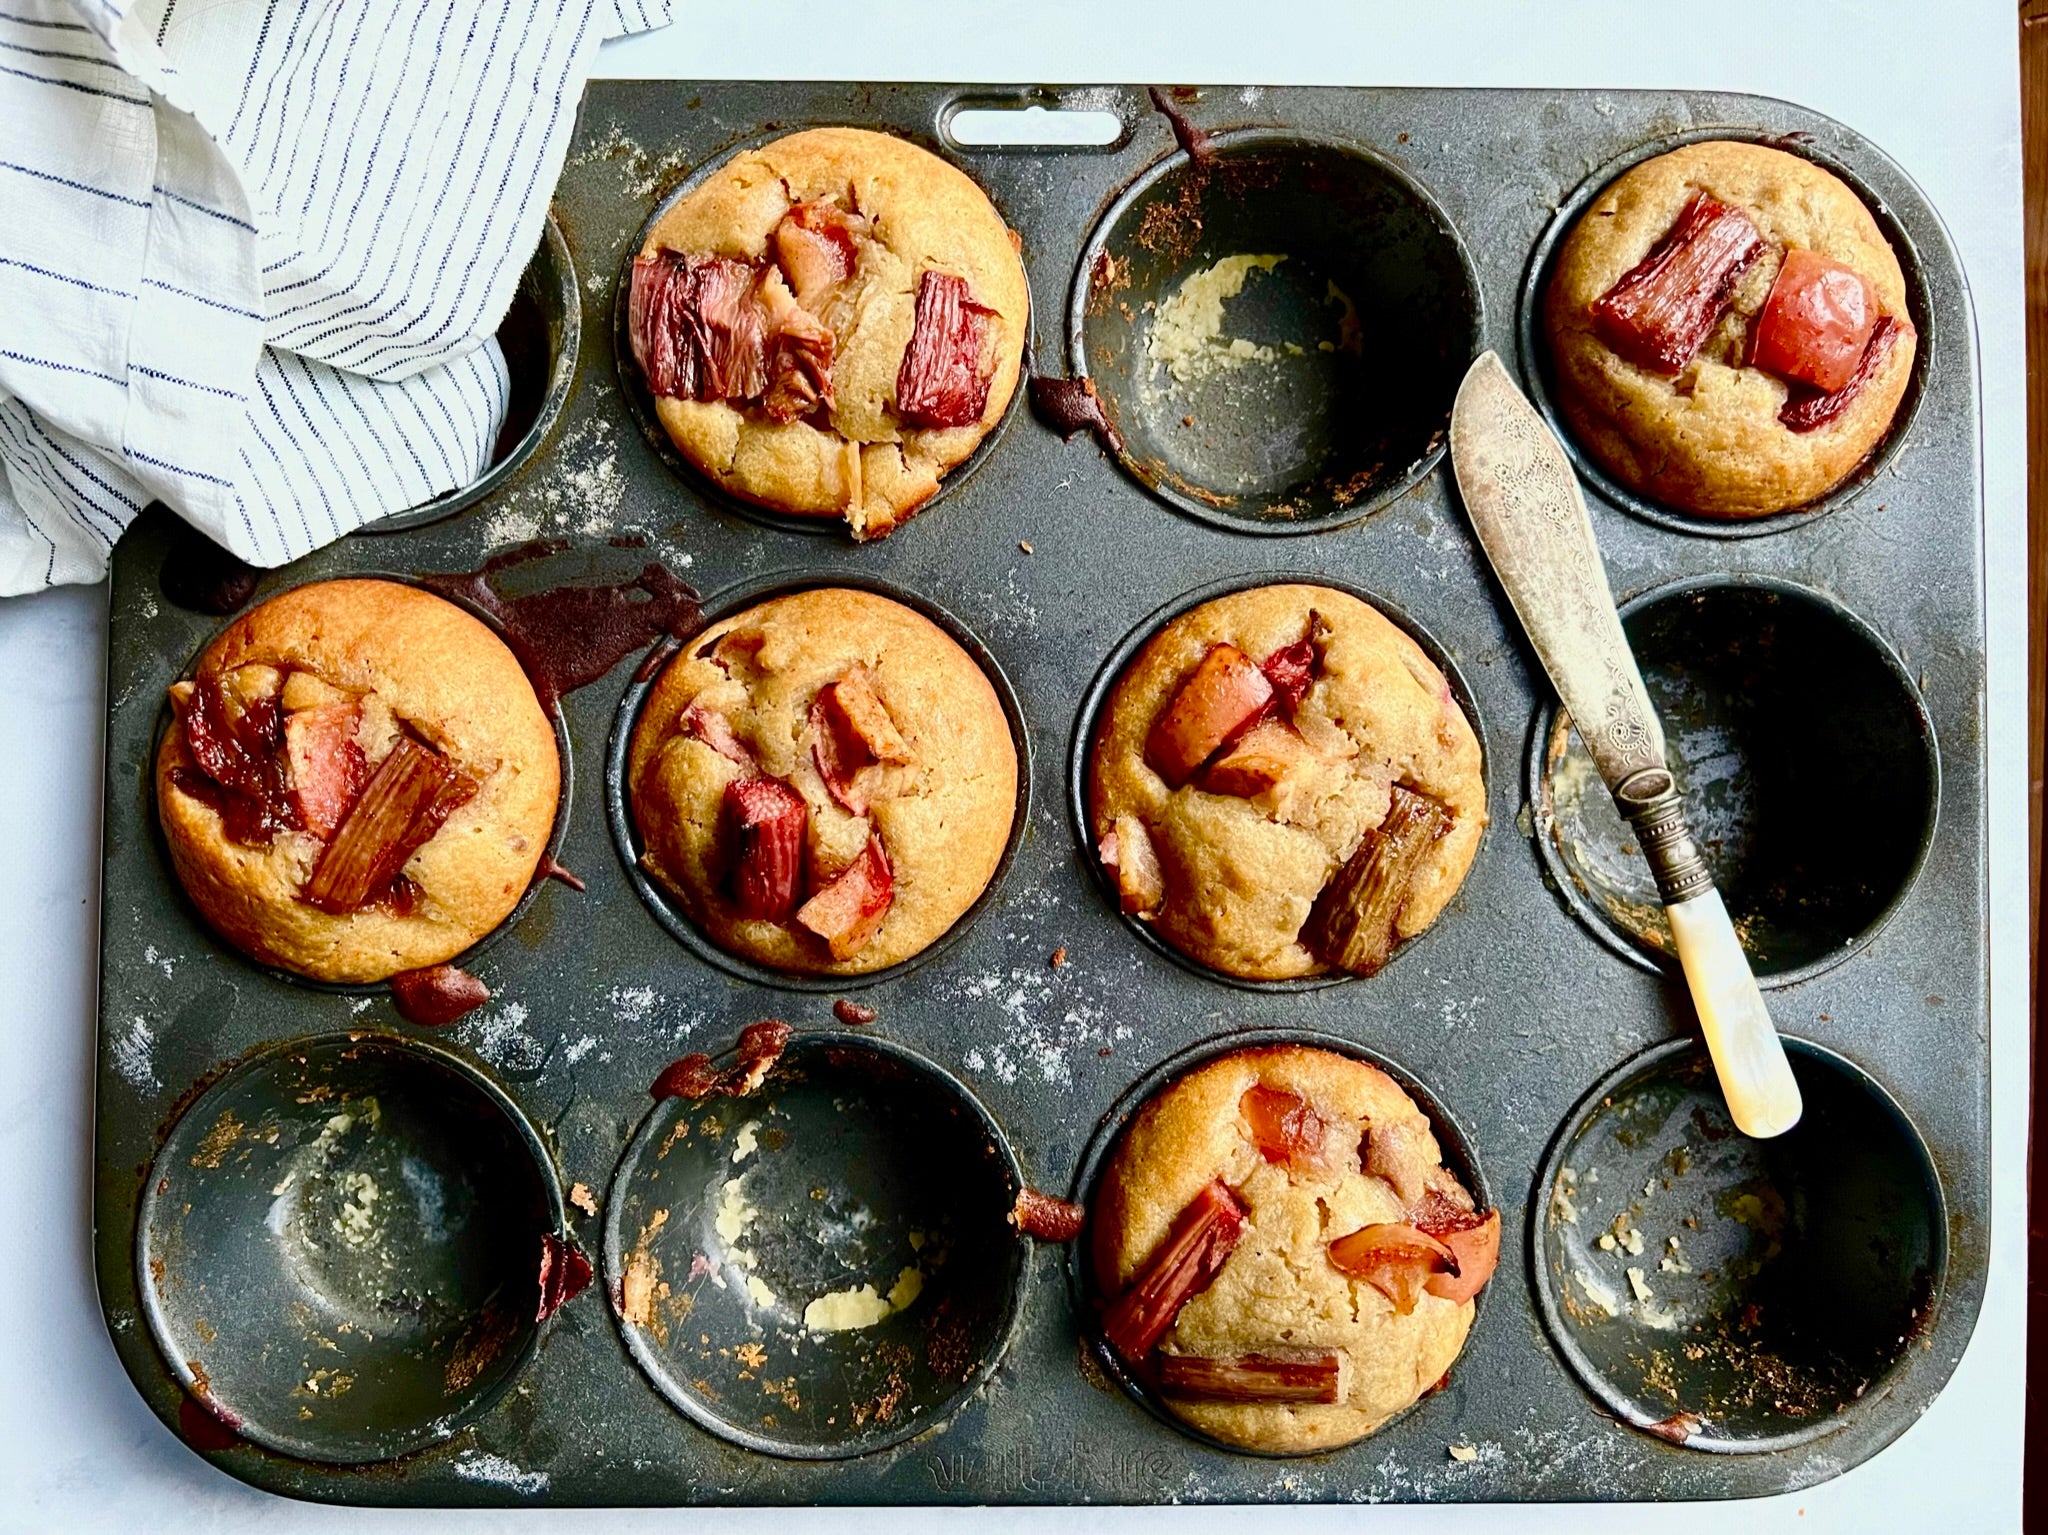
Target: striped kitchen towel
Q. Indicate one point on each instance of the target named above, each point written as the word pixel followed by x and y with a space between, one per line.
pixel 252 253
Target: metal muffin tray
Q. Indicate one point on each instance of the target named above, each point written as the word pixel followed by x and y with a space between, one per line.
pixel 1825 683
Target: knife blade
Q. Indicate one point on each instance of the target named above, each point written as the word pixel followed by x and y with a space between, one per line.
pixel 1525 503
pixel 1530 514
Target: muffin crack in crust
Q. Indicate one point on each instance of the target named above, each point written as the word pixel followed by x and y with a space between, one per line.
pixel 830 323
pixel 1283 784
pixel 358 781
pixel 825 781
pixel 1728 329
pixel 1263 1273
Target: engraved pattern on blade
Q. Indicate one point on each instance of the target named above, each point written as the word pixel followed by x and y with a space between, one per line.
pixel 1531 518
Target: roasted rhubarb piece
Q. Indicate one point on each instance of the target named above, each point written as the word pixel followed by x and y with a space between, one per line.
pixel 654 324
pixel 1127 853
pixel 1292 668
pixel 1806 412
pixel 1305 1375
pixel 1257 761
pixel 327 766
pixel 1395 1259
pixel 564 1271
pixel 1222 697
pixel 695 327
pixel 715 731
pixel 435 997
pixel 1664 307
pixel 1444 1202
pixel 1182 1266
pixel 241 768
pixel 816 244
pixel 413 792
pixel 1814 327
pixel 851 909
pixel 799 353
pixel 1352 925
pixel 764 828
pixel 945 374
pixel 1474 1241
pixel 1046 1218
pixel 851 732
pixel 696 1076
pixel 1283 1127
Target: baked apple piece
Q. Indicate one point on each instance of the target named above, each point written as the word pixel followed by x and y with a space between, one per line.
pixel 1222 697
pixel 850 910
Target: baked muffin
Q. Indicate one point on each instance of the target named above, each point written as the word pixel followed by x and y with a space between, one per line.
pixel 830 323
pixel 1728 330
pixel 825 781
pixel 1283 785
pixel 358 781
pixel 1281 1254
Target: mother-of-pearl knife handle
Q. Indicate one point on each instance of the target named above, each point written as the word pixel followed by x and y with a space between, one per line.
pixel 1763 1098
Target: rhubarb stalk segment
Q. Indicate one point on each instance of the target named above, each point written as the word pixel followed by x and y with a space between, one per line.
pixel 1353 924
pixel 1305 1375
pixel 1664 307
pixel 413 792
pixel 1185 1264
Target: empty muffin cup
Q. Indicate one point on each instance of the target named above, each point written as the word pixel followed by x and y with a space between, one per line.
pixel 1728 1294
pixel 540 336
pixel 1807 760
pixel 823 1266
pixel 339 1247
pixel 1277 330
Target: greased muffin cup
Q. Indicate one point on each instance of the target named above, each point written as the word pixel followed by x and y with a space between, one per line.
pixel 340 1244
pixel 857 457
pixel 402 670
pixel 1353 309
pixel 540 337
pixel 945 798
pixel 1704 452
pixel 1810 773
pixel 820 1268
pixel 1732 1295
pixel 1250 863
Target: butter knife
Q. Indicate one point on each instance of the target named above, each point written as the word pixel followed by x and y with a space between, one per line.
pixel 1531 518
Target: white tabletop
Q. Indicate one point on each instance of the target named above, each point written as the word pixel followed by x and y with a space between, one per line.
pixel 1935 85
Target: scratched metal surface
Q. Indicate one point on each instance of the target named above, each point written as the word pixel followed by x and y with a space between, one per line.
pixel 1509 1009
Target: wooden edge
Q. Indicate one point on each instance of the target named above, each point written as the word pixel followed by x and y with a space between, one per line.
pixel 2033 23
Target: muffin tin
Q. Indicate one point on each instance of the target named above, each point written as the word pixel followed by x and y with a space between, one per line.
pixel 988 1063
